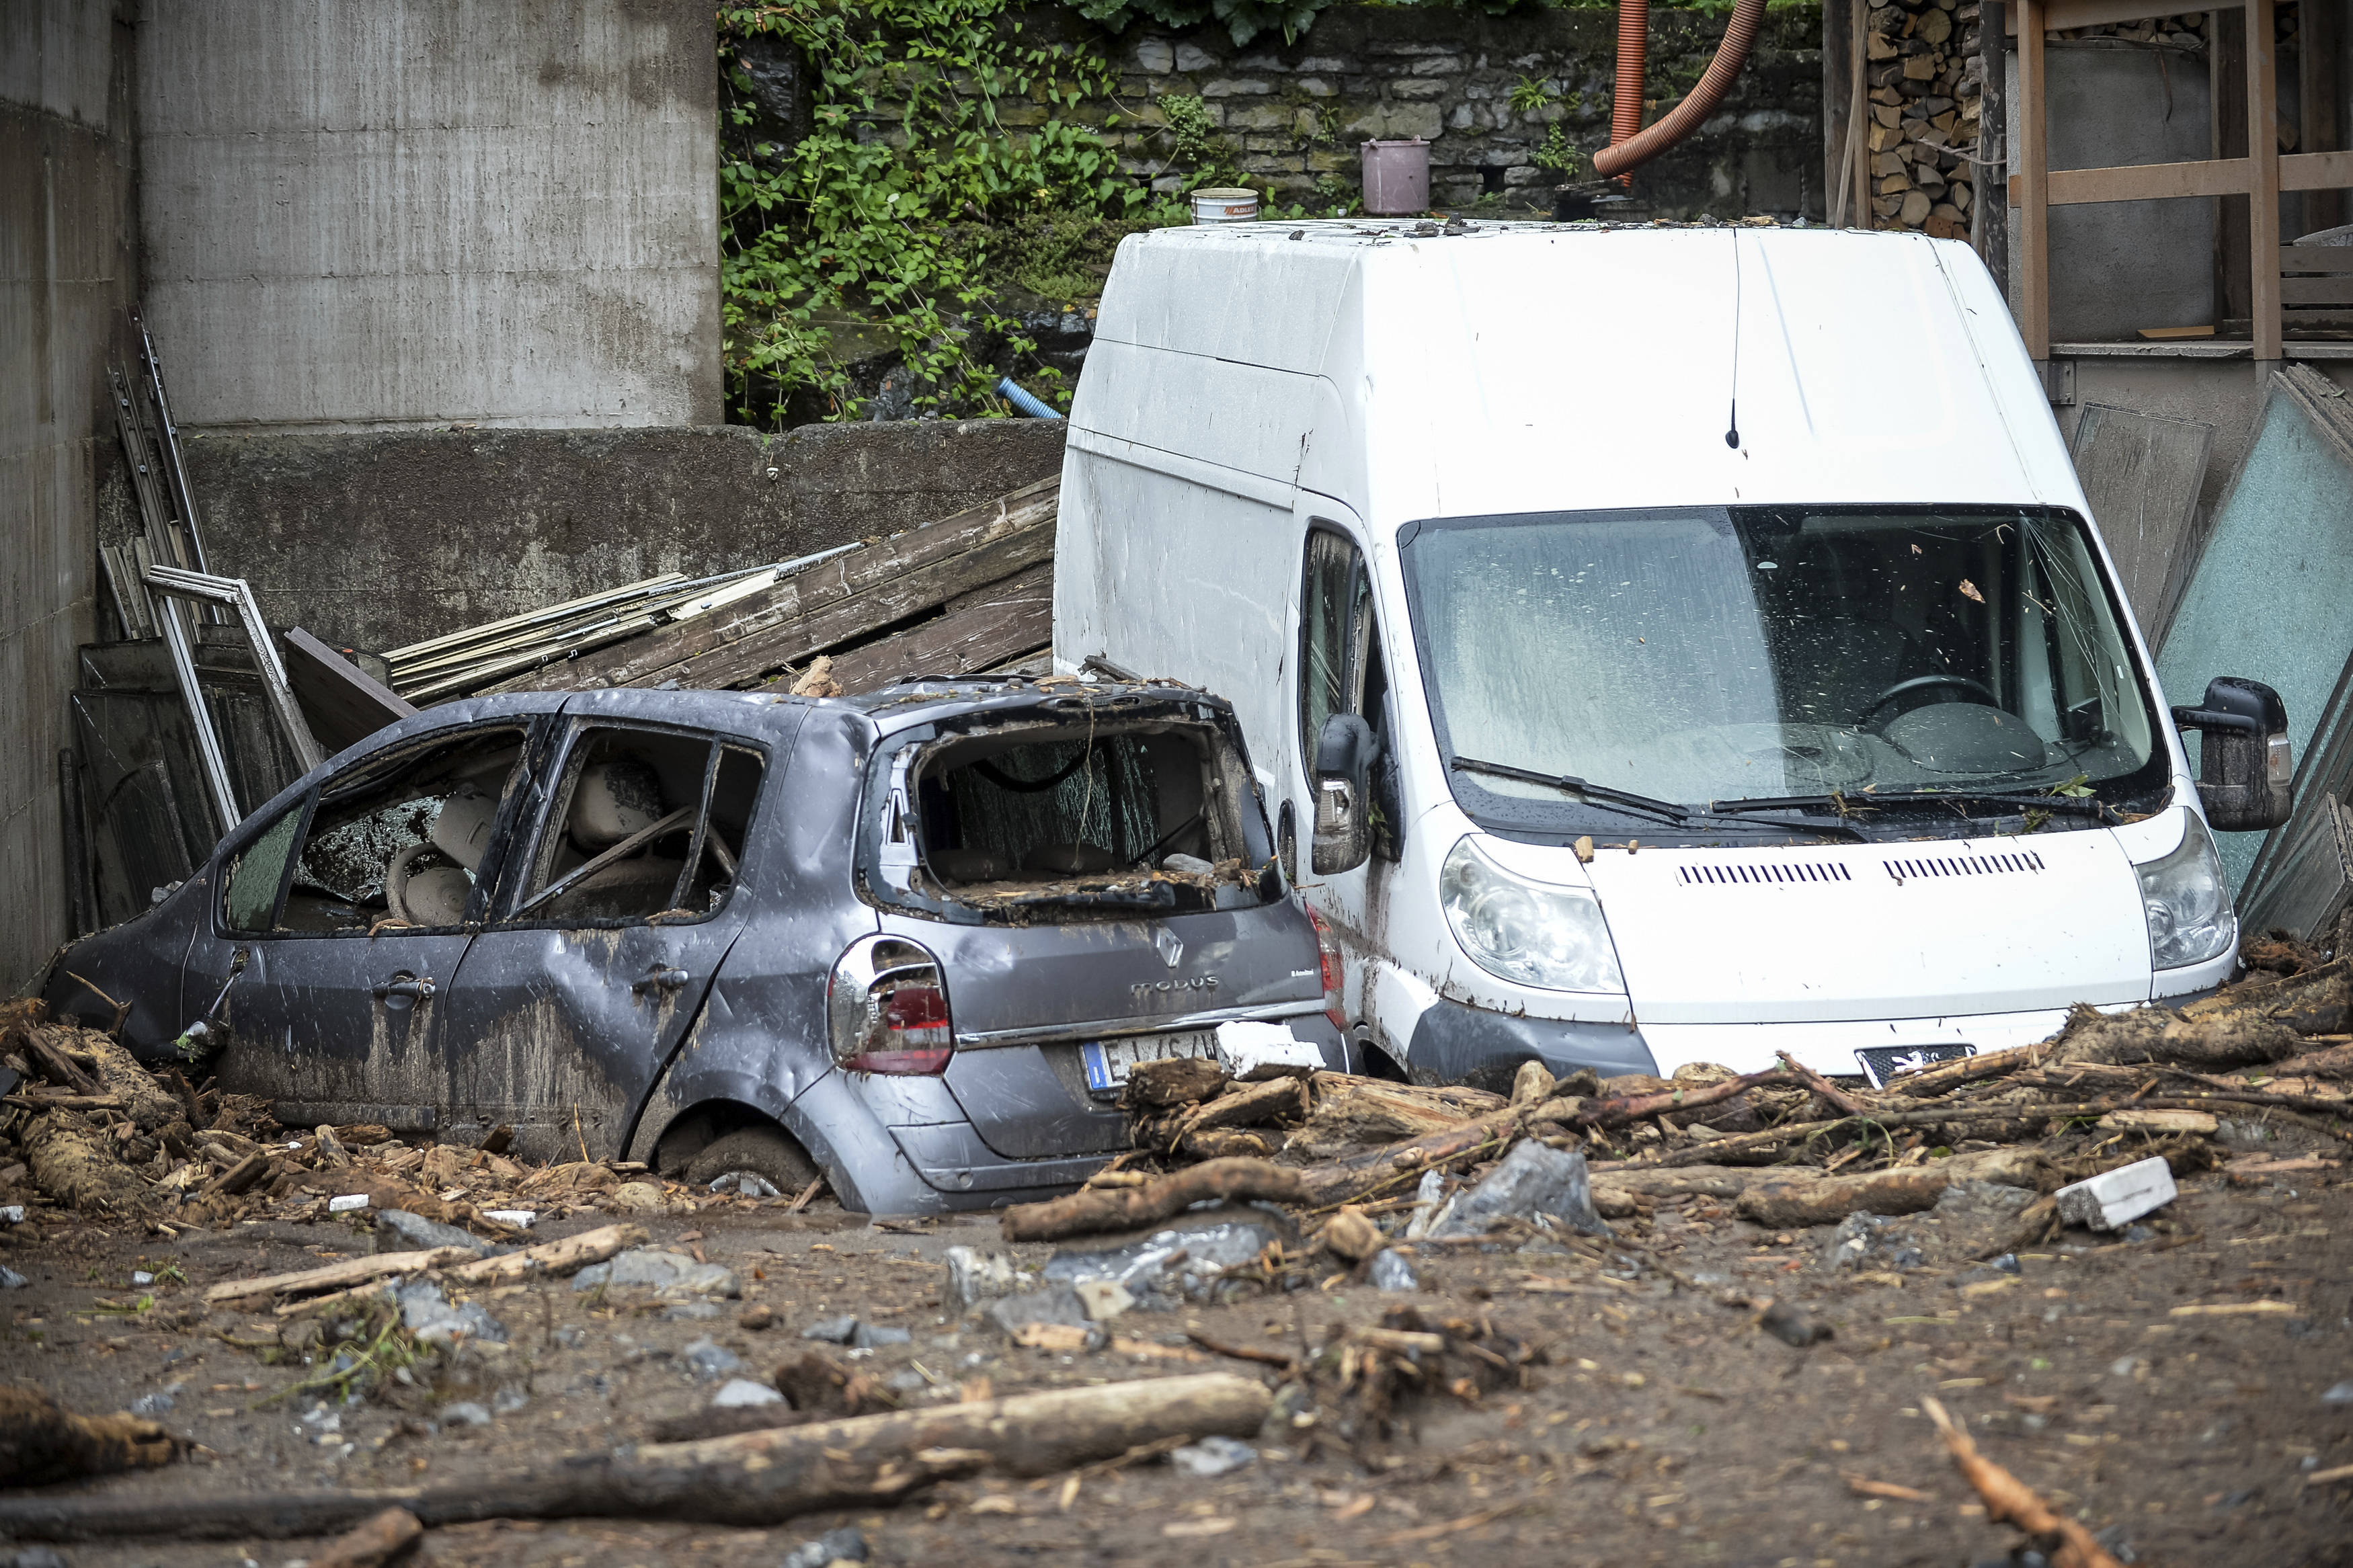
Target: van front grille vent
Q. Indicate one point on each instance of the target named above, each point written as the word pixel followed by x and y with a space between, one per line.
pixel 1965 866
pixel 1793 871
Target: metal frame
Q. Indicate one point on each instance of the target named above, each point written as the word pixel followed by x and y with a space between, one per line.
pixel 2260 176
pixel 235 594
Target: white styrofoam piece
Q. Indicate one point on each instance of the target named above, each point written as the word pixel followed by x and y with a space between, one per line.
pixel 347 1202
pixel 1246 1045
pixel 519 1218
pixel 12 1213
pixel 2114 1199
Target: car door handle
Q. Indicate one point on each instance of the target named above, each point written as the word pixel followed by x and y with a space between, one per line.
pixel 662 979
pixel 415 990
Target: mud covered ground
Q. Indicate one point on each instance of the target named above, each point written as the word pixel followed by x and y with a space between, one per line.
pixel 1655 1426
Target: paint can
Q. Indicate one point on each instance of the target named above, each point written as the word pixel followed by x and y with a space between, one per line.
pixel 1225 205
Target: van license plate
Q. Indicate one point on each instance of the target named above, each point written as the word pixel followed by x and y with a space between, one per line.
pixel 1107 1061
pixel 1881 1063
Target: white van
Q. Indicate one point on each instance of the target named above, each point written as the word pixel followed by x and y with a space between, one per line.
pixel 1657 645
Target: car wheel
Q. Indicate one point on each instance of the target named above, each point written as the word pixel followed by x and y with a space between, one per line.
pixel 763 1152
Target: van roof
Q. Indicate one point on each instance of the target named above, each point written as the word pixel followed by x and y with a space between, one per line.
pixel 1414 369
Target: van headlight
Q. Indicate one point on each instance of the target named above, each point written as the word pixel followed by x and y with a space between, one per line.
pixel 2188 908
pixel 1533 932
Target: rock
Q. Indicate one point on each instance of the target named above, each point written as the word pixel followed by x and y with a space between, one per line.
pixel 869 1336
pixel 12 1280
pixel 755 1319
pixel 507 1401
pixel 2342 1394
pixel 1054 1304
pixel 1212 1456
pixel 671 1273
pixel 1169 1266
pixel 31 1557
pixel 1390 1271
pixel 2114 1199
pixel 636 1197
pixel 397 1230
pixel 832 1331
pixel 974 1276
pixel 690 1312
pixel 1791 1326
pixel 571 1336
pixel 843 1545
pixel 742 1393
pixel 428 1316
pixel 158 1403
pixel 1349 1234
pixel 464 1413
pixel 1533 1179
pixel 744 1184
pixel 708 1360
pixel 1103 1299
pixel 1872 1242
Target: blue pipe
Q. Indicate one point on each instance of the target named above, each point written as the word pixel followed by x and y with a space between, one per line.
pixel 1020 399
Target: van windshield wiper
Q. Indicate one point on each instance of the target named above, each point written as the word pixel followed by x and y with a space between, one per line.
pixel 2056 805
pixel 1665 811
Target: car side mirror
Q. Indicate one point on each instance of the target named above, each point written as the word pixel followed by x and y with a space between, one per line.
pixel 1344 764
pixel 2246 767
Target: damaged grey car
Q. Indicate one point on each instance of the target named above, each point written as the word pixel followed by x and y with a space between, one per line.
pixel 911 941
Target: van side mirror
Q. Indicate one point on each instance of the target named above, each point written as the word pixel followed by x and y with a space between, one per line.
pixel 2245 766
pixel 1344 765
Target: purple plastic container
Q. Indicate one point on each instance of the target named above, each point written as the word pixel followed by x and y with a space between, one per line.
pixel 1397 178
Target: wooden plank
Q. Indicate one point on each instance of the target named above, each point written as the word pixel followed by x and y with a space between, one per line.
pixel 2142 475
pixel 2032 301
pixel 1841 20
pixel 2061 15
pixel 2264 194
pixel 2316 258
pixel 2318 60
pixel 543 615
pixel 665 654
pixel 752 659
pixel 2315 171
pixel 2226 65
pixel 350 1271
pixel 2316 291
pixel 2146 182
pixel 1989 218
pixel 344 702
pixel 980 630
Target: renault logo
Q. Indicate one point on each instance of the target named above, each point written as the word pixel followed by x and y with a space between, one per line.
pixel 1172 951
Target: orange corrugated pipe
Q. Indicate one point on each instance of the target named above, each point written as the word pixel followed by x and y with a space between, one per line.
pixel 1630 144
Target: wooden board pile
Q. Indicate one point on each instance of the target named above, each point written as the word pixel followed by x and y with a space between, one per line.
pixel 1784 1147
pixel 87 1131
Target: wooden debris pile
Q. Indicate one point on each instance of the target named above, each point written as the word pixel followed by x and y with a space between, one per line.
pixel 1785 1147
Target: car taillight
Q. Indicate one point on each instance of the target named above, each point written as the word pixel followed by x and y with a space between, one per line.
pixel 1328 951
pixel 887 1009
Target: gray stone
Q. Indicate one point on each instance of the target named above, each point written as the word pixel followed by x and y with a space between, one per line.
pixel 870 1336
pixel 1390 1271
pixel 1193 57
pixel 691 1311
pixel 744 1184
pixel 710 1361
pixel 158 1403
pixel 507 1401
pixel 1212 1456
pixel 975 1277
pixel 1054 1304
pixel 843 1545
pixel 12 1280
pixel 742 1393
pixel 431 1320
pixel 31 1557
pixel 1168 1265
pixel 571 1336
pixel 1154 56
pixel 832 1331
pixel 1874 1243
pixel 397 1230
pixel 671 1273
pixel 2341 1395
pixel 1532 1180
pixel 464 1413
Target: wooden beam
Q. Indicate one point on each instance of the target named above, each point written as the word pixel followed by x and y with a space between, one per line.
pixel 2319 37
pixel 1989 218
pixel 2316 258
pixel 2226 63
pixel 2316 291
pixel 1840 21
pixel 2263 194
pixel 2315 172
pixel 2061 15
pixel 2146 182
pixel 2032 300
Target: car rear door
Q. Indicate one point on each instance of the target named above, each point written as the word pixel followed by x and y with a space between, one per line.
pixel 618 904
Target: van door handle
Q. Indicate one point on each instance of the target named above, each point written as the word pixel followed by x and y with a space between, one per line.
pixel 409 986
pixel 662 978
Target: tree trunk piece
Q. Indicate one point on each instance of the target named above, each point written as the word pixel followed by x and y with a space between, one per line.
pixel 1099 1209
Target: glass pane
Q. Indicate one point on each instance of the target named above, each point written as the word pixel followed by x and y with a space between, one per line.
pixel 1708 656
pixel 251 896
pixel 623 828
pixel 1325 606
pixel 401 841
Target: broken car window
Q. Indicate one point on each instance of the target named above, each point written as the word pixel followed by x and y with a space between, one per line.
pixel 249 896
pixel 647 824
pixel 401 840
pixel 1706 656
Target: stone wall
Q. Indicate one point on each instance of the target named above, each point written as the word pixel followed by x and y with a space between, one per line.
pixel 1292 115
pixel 376 541
pixel 67 184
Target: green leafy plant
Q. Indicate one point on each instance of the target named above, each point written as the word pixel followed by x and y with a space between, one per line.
pixel 1559 153
pixel 2076 788
pixel 1531 96
pixel 925 113
pixel 1244 19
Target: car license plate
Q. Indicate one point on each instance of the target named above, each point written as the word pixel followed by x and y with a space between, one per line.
pixel 1108 1062
pixel 1881 1063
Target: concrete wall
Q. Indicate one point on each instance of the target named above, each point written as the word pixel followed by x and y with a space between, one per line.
pixel 369 214
pixel 376 541
pixel 66 267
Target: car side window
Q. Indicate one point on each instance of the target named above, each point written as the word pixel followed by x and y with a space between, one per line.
pixel 250 891
pixel 647 825
pixel 398 844
pixel 1340 665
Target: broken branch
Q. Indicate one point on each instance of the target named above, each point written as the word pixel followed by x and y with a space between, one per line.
pixel 2011 1501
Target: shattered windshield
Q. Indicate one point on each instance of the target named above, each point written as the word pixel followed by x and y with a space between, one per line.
pixel 1709 656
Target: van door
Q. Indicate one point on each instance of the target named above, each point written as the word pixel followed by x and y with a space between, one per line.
pixel 1342 668
pixel 619 903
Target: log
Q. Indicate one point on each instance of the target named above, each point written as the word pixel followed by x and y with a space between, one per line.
pixel 2210 1042
pixel 1246 1105
pixel 335 1276
pixel 41 1441
pixel 1795 1203
pixel 1098 1209
pixel 1618 1110
pixel 237 1178
pixel 1173 1081
pixel 2317 1002
pixel 568 1256
pixel 72 1164
pixel 1360 1112
pixel 151 1106
pixel 385 1537
pixel 749 1478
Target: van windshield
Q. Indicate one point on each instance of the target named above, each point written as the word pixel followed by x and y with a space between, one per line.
pixel 1706 656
